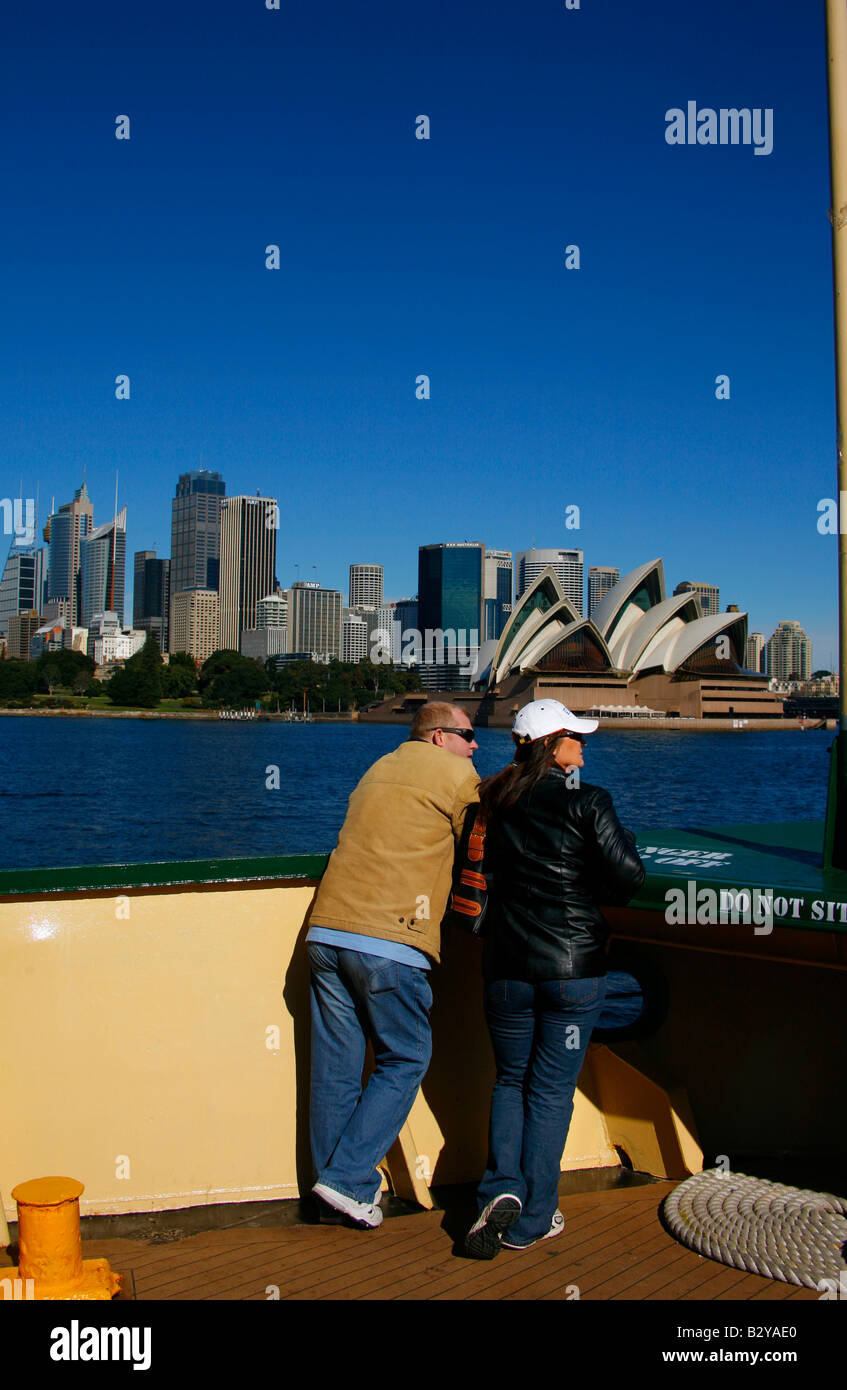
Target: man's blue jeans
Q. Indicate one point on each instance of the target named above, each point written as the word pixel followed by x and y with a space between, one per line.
pixel 540 1033
pixel 356 997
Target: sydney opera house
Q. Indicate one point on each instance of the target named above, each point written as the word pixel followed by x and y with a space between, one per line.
pixel 639 655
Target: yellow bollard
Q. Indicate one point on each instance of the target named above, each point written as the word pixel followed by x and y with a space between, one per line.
pixel 51 1263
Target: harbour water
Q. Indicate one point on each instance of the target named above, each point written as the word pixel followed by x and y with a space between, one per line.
pixel 124 791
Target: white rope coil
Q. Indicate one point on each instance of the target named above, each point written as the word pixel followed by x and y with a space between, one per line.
pixel 764 1227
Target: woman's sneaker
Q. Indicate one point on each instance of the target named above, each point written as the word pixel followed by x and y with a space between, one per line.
pixel 556 1227
pixel 367 1214
pixel 483 1239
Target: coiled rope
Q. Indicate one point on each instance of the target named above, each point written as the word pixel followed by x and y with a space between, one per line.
pixel 785 1233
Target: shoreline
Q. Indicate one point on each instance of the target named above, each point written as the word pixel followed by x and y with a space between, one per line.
pixel 667 724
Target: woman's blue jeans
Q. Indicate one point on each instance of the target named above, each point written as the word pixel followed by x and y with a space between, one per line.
pixel 357 997
pixel 539 1033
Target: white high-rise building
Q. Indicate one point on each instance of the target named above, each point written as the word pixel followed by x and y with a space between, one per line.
pixel 355 637
pixel 272 611
pixel 102 569
pixel 365 586
pixel 788 653
pixel 567 564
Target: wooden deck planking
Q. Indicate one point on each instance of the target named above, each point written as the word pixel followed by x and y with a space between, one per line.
pixel 616 1244
pixel 613 1248
pixel 664 1272
pixel 375 1268
pixel 458 1277
pixel 608 1259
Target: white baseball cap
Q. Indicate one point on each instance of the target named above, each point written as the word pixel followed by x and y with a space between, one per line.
pixel 541 718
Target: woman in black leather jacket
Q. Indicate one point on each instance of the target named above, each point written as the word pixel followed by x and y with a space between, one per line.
pixel 557 849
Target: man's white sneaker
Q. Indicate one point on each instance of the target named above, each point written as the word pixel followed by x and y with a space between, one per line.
pixel 482 1241
pixel 367 1214
pixel 557 1225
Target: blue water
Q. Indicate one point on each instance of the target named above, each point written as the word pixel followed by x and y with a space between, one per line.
pixel 104 791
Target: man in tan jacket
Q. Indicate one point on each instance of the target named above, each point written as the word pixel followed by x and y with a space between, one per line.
pixel 374 931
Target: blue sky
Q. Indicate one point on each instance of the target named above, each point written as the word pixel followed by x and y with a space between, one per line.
pixel 549 387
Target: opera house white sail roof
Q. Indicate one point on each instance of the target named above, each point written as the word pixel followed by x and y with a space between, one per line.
pixel 634 629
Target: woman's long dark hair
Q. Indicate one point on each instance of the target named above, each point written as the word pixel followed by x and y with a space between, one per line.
pixel 531 763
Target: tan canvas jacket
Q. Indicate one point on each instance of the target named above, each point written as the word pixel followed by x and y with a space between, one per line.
pixel 390 874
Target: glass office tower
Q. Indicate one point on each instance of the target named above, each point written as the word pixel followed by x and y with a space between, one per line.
pixel 67 529
pixel 450 612
pixel 21 585
pixel 196 531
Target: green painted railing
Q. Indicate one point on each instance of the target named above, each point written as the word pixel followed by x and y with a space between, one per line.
pixel 784 861
pixel 104 878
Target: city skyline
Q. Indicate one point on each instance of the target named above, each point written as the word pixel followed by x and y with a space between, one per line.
pixel 270 513
pixel 550 387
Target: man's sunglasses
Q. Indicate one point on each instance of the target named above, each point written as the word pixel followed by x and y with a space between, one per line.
pixel 466 734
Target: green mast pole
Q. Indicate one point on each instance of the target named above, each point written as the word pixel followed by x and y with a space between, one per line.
pixel 836 40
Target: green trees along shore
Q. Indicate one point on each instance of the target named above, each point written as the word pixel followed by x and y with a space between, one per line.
pixel 65 679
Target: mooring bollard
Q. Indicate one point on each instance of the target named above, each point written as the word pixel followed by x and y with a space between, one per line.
pixel 50 1249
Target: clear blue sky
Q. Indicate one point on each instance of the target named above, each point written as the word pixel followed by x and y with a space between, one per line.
pixel 550 387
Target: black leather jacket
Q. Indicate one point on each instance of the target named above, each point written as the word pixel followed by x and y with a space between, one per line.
pixel 555 854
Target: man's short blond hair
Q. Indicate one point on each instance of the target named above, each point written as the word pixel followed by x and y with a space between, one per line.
pixel 434 715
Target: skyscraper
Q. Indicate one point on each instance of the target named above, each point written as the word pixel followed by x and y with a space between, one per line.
pixel 66 530
pixel 354 636
pixel 272 611
pixel 601 578
pixel 247 563
pixel 365 586
pixel 566 563
pixel 21 585
pixel 151 596
pixel 194 622
pixel 314 620
pixel 450 587
pixel 788 653
pixel 196 531
pixel 754 653
pixel 270 635
pixel 394 617
pixel 103 571
pixel 708 594
pixel 22 629
pixel 497 592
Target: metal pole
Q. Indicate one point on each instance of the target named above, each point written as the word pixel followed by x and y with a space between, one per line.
pixel 836 36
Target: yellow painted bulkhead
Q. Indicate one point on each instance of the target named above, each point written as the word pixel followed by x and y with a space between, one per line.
pixel 157 1047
